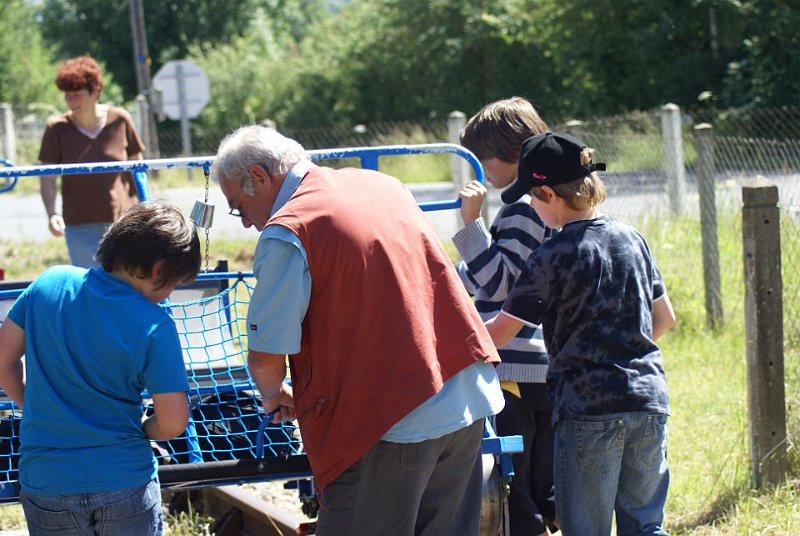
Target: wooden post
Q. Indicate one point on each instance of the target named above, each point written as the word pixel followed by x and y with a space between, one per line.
pixel 763 305
pixel 672 135
pixel 706 187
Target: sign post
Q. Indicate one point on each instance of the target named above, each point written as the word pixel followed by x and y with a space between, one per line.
pixel 185 92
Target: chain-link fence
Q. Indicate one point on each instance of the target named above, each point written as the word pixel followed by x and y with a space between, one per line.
pixel 206 141
pixel 652 181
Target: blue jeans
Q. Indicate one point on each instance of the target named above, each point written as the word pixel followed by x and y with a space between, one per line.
pixel 127 512
pixel 611 464
pixel 82 242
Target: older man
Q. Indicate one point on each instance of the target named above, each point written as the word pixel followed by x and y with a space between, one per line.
pixel 392 369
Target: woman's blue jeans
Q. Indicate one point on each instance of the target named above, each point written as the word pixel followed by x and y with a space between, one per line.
pixel 608 464
pixel 82 241
pixel 128 512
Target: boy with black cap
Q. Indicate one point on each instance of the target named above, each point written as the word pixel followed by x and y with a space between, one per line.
pixel 598 294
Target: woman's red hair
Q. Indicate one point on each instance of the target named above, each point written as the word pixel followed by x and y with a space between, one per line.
pixel 79 73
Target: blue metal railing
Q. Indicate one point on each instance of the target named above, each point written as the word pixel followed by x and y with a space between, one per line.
pixel 10 182
pixel 368 156
pixel 369 159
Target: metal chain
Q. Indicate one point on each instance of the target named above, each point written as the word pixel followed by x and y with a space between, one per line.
pixel 207 173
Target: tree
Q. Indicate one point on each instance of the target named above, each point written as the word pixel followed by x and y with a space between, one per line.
pixel 416 59
pixel 613 57
pixel 765 73
pixel 373 60
pixel 404 59
pixel 102 28
pixel 26 73
pixel 246 94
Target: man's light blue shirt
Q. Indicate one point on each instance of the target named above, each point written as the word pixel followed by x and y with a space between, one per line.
pixel 279 304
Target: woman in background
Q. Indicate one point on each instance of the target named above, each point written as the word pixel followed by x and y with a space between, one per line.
pixel 87 132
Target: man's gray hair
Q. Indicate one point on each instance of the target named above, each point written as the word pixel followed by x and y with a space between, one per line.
pixel 259 145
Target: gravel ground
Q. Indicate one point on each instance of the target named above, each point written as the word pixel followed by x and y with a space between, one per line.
pixel 275 493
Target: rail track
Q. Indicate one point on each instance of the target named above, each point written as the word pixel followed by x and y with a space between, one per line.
pixel 239 512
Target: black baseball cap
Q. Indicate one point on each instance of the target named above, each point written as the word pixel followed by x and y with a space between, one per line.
pixel 548 159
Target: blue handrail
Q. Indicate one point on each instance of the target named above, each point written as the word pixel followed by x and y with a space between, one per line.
pixel 368 156
pixel 12 181
pixel 501 447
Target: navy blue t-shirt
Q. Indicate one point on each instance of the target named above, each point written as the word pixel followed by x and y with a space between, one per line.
pixel 592 288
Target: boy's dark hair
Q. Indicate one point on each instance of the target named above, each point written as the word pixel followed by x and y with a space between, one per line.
pixel 500 127
pixel 147 233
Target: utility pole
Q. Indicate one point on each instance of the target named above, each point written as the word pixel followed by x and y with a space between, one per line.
pixel 141 58
pixel 712 31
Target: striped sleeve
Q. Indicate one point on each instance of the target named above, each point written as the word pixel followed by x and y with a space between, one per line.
pixel 494 258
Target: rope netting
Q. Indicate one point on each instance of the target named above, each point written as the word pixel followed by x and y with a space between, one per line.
pixel 226 423
pixel 226 416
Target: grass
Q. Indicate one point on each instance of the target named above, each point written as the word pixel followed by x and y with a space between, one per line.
pixel 710 492
pixel 188 523
pixel 706 372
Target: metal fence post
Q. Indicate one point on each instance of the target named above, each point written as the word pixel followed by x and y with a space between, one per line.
pixel 9 139
pixel 763 306
pixel 673 152
pixel 459 168
pixel 706 187
pixel 573 127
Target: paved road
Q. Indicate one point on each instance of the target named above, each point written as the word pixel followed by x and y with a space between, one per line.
pixel 22 217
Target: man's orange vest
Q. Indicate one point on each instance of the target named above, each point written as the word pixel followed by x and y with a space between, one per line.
pixel 388 321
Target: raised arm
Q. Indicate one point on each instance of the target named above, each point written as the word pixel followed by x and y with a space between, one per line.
pixel 494 262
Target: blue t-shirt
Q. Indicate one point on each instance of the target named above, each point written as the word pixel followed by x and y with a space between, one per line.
pixel 592 288
pixel 92 345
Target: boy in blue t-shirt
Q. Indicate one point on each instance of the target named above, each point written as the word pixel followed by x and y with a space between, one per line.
pixel 600 299
pixel 93 341
pixel 492 260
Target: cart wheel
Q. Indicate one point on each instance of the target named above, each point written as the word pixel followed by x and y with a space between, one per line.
pixel 493 498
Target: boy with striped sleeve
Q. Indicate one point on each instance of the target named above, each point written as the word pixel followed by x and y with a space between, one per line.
pixel 492 261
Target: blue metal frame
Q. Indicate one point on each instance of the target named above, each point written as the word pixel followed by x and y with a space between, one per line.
pixel 367 155
pixel 12 180
pixel 501 447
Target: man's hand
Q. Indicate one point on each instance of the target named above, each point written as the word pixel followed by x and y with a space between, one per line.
pixel 472 197
pixel 282 404
pixel 269 371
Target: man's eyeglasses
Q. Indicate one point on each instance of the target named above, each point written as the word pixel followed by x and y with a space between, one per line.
pixel 237 211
